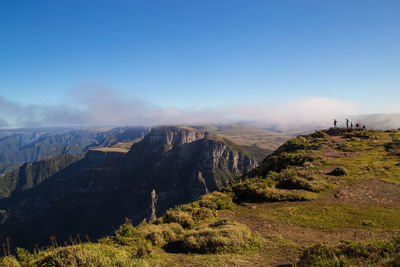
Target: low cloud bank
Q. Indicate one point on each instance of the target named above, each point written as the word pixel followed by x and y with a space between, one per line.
pixel 107 107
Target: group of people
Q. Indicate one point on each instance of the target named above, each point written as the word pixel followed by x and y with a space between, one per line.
pixel 358 125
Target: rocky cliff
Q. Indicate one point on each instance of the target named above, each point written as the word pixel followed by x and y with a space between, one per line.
pixel 96 193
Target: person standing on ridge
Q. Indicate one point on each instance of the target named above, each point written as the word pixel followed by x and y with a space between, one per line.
pixel 335 123
pixel 347 123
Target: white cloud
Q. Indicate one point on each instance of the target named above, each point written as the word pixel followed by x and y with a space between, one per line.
pixel 109 107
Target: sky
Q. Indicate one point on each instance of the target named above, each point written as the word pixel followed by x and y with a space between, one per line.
pixel 74 62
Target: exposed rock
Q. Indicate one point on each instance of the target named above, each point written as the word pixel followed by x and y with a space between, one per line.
pixel 97 193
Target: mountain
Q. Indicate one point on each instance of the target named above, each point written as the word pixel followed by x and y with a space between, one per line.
pixel 31 174
pixel 330 198
pixel 95 194
pixel 20 146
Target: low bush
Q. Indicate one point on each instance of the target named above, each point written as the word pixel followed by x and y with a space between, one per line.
pixel 87 255
pixel 297 179
pixel 24 256
pixel 339 171
pixel 223 235
pixel 393 147
pixel 376 253
pixel 184 218
pixel 162 234
pixel 260 190
pixel 128 235
pixel 216 201
pixel 9 261
pixel 303 142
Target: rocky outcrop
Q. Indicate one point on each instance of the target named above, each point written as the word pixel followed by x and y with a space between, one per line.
pixel 97 193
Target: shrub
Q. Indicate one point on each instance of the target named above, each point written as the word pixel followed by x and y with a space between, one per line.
pixel 284 160
pixel 128 235
pixel 9 261
pixel 24 256
pixel 393 147
pixel 260 190
pixel 88 254
pixel 339 171
pixel 162 234
pixel 224 235
pixel 200 214
pixel 319 134
pixel 216 201
pixel 313 142
pixel 295 179
pixel 183 218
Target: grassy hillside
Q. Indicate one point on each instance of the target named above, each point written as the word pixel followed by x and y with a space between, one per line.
pixel 330 198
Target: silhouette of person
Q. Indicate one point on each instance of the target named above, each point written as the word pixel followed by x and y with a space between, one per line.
pixel 347 123
pixel 335 123
pixel 351 125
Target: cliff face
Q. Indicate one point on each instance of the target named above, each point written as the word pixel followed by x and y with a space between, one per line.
pixel 98 192
pixel 192 161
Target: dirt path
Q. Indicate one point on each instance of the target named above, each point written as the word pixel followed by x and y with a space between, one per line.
pixel 367 192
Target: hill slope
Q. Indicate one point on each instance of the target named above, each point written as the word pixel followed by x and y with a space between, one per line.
pixel 31 174
pixel 297 206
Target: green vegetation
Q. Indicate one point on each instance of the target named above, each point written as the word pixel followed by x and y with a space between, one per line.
pixel 261 190
pixel 353 146
pixel 300 151
pixel 334 216
pixel 338 184
pixel 348 253
pixel 339 171
pixel 223 235
pixel 85 254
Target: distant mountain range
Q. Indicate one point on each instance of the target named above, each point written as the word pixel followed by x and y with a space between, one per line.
pixel 28 145
pixel 95 194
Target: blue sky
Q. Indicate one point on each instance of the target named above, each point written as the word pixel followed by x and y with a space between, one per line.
pixel 195 55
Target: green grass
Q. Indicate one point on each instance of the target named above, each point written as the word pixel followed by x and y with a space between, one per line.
pixel 375 163
pixel 375 253
pixel 84 254
pixel 353 146
pixel 333 216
